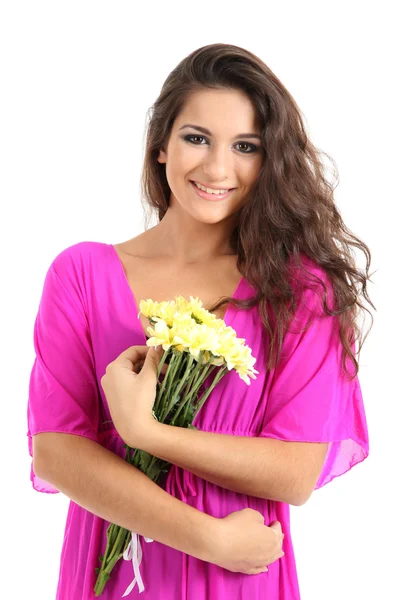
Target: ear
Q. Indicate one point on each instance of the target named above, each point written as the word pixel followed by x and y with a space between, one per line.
pixel 162 157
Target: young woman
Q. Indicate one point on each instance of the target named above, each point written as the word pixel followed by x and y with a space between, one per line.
pixel 248 224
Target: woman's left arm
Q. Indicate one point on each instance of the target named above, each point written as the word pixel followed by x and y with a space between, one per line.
pixel 262 467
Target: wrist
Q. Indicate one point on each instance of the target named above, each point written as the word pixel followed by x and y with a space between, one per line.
pixel 204 538
pixel 146 439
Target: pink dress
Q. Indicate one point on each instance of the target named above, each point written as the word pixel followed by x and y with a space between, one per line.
pixel 87 316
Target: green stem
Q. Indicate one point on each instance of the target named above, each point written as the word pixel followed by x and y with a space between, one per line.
pixel 217 378
pixel 170 374
pixel 161 386
pixel 113 556
pixel 201 379
pixel 168 404
pixel 177 391
pixel 194 375
pixel 186 402
pixel 183 381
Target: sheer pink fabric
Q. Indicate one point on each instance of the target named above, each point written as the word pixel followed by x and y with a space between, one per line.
pixel 87 316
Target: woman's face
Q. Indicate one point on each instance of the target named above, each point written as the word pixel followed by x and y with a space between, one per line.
pixel 229 155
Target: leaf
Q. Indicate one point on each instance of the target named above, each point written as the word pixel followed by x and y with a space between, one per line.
pixel 144 460
pixel 190 426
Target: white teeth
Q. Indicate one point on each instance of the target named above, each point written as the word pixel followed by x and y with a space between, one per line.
pixel 209 190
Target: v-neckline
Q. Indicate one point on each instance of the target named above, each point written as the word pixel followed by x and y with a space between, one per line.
pixel 135 305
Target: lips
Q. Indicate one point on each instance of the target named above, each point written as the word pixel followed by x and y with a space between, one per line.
pixel 210 186
pixel 215 198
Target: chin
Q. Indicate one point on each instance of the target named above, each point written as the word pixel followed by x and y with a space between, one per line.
pixel 211 219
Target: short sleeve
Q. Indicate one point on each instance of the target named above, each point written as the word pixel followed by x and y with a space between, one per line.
pixel 311 398
pixel 63 392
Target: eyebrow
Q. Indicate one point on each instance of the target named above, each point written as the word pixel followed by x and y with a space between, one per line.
pixel 208 132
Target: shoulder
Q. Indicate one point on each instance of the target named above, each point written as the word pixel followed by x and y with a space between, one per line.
pixel 78 258
pixel 76 270
pixel 311 282
pixel 308 271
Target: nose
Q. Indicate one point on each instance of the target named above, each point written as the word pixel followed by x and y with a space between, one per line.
pixel 217 164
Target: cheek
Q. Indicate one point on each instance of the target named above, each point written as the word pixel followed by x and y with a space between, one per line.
pixel 182 162
pixel 250 173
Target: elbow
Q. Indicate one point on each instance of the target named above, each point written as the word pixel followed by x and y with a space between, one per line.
pixel 300 500
pixel 302 496
pixel 38 459
pixel 292 497
pixel 43 447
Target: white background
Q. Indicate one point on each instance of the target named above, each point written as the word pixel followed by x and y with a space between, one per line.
pixel 76 81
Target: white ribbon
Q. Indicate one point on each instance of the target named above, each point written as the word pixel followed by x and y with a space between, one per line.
pixel 134 552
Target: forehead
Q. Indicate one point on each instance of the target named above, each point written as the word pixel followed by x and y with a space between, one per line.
pixel 219 110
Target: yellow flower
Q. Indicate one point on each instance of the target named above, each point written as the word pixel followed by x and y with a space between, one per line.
pixel 188 327
pixel 160 335
pixel 162 310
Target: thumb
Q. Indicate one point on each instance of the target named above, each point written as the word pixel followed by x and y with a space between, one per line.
pixel 152 360
pixel 276 525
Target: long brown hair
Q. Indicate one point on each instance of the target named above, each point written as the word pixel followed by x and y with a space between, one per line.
pixel 291 213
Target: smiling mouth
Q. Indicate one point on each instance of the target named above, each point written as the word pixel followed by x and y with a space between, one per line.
pixel 225 190
pixel 213 196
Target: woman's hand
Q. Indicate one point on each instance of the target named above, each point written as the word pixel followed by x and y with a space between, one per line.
pixel 244 544
pixel 130 387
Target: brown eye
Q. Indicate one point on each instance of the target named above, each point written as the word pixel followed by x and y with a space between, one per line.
pixel 189 138
pixel 252 147
pixel 192 139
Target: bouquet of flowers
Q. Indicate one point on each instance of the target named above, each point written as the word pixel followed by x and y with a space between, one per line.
pixel 195 344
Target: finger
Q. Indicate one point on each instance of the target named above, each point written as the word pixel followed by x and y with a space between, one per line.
pixel 133 354
pixel 264 568
pixel 257 571
pixel 164 368
pixel 278 546
pixel 276 556
pixel 277 529
pixel 261 517
pixel 132 357
pixel 137 367
pixel 152 359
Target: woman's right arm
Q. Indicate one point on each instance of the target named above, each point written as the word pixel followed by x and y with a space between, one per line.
pixel 109 487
